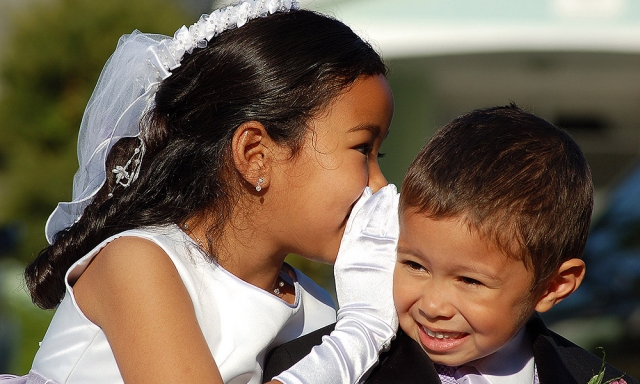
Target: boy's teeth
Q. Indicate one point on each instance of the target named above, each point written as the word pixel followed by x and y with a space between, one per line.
pixel 440 335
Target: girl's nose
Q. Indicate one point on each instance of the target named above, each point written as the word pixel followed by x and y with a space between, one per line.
pixel 376 178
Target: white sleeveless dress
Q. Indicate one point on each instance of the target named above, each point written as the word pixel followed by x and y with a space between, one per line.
pixel 240 322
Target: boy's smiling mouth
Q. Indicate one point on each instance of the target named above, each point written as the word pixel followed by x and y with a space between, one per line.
pixel 442 335
pixel 440 341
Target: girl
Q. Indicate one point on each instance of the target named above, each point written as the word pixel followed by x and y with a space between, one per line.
pixel 204 160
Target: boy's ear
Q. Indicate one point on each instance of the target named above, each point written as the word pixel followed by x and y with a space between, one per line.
pixel 566 280
pixel 250 147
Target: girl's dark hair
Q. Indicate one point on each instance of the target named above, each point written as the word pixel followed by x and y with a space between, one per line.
pixel 279 70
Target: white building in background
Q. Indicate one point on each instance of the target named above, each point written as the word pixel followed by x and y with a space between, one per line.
pixel 575 63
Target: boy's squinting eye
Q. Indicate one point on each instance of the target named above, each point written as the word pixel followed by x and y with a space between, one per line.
pixel 470 281
pixel 381 155
pixel 413 265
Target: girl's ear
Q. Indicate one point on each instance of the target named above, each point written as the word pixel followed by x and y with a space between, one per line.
pixel 566 280
pixel 251 147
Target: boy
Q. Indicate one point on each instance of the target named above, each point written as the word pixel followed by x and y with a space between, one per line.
pixel 494 215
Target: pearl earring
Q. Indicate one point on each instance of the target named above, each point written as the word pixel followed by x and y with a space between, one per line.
pixel 259 187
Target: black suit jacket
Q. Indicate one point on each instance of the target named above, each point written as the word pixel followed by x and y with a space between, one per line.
pixel 558 360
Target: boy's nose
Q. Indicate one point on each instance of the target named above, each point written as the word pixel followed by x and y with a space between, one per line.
pixel 376 178
pixel 435 304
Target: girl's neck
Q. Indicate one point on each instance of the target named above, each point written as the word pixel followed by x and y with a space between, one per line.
pixel 243 251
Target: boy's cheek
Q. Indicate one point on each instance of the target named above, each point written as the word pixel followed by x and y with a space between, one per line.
pixel 399 289
pixel 404 296
pixel 406 322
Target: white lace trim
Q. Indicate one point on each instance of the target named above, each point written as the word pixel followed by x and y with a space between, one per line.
pixel 167 55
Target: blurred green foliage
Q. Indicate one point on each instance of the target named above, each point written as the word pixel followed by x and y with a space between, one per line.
pixel 24 323
pixel 54 55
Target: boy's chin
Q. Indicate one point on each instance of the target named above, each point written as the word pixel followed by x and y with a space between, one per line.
pixel 450 361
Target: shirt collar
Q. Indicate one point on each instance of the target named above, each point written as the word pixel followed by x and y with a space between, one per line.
pixel 513 363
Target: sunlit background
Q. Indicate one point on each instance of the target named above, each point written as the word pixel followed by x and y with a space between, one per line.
pixel 575 63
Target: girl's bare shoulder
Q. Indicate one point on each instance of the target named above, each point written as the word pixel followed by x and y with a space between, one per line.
pixel 127 272
pixel 133 291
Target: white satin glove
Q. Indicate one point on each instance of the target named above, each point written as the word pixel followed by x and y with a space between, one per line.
pixel 367 319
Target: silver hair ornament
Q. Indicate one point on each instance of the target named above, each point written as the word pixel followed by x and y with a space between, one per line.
pixel 124 176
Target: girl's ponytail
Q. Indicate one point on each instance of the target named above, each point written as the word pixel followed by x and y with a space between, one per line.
pixel 45 275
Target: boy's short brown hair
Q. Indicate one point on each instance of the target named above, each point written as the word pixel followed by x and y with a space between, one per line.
pixel 518 180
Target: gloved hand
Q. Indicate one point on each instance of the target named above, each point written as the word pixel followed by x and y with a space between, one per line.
pixel 367 319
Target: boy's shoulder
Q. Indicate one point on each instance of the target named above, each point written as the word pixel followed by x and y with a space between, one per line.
pixel 558 360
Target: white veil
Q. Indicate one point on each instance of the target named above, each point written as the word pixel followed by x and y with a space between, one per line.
pixel 125 91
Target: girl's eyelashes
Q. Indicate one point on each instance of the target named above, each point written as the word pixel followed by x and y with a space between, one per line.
pixel 364 148
pixel 367 149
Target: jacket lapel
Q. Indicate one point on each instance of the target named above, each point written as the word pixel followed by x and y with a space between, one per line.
pixel 406 363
